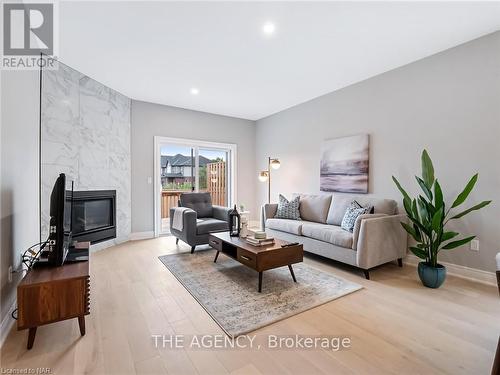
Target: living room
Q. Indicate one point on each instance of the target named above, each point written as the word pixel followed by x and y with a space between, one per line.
pixel 233 184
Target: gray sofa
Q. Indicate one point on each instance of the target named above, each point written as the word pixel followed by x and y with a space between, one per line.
pixel 377 238
pixel 199 219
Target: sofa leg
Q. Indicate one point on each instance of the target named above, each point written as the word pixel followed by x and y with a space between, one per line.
pixel 192 249
pixel 400 262
pixel 367 274
pixel 176 241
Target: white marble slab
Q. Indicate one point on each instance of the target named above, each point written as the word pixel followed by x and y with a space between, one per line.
pixel 86 134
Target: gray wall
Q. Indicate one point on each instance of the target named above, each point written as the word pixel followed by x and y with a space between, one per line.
pixel 19 212
pixel 149 120
pixel 448 103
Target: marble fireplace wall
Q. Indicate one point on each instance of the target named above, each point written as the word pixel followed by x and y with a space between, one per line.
pixel 85 134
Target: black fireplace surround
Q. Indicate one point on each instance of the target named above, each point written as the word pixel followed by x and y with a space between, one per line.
pixel 94 215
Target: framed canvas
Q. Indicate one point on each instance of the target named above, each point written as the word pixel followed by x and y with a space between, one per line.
pixel 344 164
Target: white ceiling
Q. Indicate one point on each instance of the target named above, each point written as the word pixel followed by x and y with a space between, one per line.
pixel 158 51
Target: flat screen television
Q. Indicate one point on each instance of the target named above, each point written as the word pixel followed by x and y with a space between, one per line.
pixel 61 205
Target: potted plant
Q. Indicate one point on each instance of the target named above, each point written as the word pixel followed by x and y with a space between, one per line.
pixel 429 216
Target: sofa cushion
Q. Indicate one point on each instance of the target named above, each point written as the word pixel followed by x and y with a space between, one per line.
pixel 285 225
pixel 199 202
pixel 340 203
pixel 327 233
pixel 205 226
pixel 288 209
pixel 351 215
pixel 314 207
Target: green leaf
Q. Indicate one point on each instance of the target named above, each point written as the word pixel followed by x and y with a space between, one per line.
pixel 427 169
pixel 426 190
pixel 417 231
pixel 407 206
pixel 428 206
pixel 403 191
pixel 419 252
pixel 465 193
pixel 415 209
pixel 425 216
pixel 438 195
pixel 437 220
pixel 474 208
pixel 411 231
pixel 425 230
pixel 454 244
pixel 448 236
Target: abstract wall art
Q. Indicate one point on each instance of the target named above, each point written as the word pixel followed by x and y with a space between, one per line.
pixel 344 164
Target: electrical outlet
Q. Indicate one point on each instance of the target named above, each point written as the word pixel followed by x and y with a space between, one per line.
pixel 10 274
pixel 474 245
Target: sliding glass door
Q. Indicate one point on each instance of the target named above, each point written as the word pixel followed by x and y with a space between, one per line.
pixel 212 174
pixel 177 167
pixel 191 166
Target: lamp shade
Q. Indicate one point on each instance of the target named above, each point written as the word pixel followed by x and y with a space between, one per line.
pixel 263 176
pixel 275 163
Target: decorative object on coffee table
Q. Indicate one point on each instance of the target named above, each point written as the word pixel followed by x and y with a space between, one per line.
pixel 264 176
pixel 429 216
pixel 259 258
pixel 234 222
pixel 245 221
pixel 244 227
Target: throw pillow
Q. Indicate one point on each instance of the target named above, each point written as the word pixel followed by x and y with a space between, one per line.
pixel 288 209
pixel 351 215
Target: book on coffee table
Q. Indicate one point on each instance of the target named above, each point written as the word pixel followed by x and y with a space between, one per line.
pixel 259 242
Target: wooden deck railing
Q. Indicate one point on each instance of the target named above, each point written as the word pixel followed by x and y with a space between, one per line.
pixel 216 182
pixel 169 199
pixel 216 186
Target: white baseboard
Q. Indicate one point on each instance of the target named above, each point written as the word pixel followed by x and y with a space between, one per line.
pixel 141 235
pixel 464 272
pixel 7 324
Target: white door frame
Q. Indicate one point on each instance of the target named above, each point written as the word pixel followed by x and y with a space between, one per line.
pixel 197 144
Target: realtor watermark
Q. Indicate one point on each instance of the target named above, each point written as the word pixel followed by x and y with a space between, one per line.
pixel 26 370
pixel 29 35
pixel 222 342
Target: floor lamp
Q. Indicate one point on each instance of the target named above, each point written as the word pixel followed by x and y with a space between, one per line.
pixel 264 176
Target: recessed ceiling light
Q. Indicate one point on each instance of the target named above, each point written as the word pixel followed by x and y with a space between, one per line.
pixel 195 91
pixel 268 28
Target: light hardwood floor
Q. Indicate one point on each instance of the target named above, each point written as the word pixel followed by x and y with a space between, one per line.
pixel 396 326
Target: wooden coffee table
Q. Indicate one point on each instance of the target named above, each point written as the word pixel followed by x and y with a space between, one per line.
pixel 258 258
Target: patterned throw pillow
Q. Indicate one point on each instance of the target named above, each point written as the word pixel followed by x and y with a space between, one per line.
pixel 288 209
pixel 352 213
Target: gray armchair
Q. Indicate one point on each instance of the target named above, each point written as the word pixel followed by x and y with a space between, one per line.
pixel 197 218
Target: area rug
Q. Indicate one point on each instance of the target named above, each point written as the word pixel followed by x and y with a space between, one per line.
pixel 227 290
